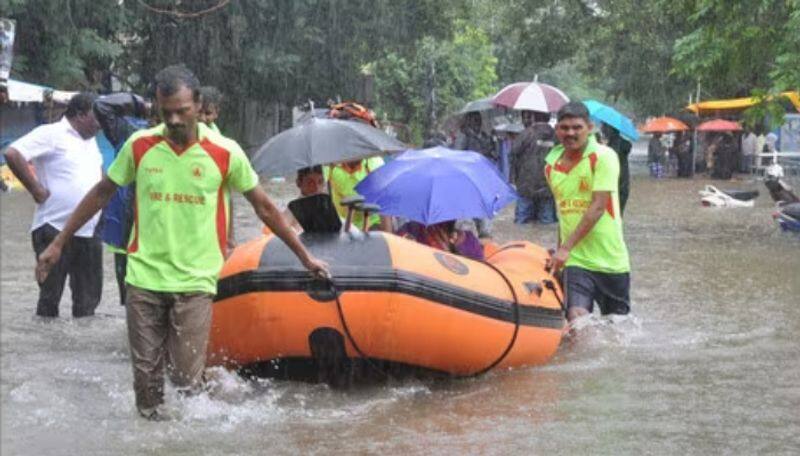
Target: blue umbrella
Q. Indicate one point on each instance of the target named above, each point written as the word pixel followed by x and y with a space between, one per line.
pixel 436 185
pixel 600 112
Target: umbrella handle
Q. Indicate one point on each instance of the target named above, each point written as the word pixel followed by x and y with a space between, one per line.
pixel 368 209
pixel 349 219
pixel 351 203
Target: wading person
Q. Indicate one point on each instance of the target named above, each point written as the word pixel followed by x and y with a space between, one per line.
pixel 527 169
pixel 583 176
pixel 211 100
pixel 472 137
pixel 623 148
pixel 68 164
pixel 178 240
pixel 209 112
pixel 119 114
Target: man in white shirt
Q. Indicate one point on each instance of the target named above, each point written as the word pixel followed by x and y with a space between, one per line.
pixel 67 164
pixel 749 151
pixel 772 142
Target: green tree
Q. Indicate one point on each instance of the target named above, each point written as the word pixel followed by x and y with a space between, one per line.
pixel 436 79
pixel 628 54
pixel 733 46
pixel 69 44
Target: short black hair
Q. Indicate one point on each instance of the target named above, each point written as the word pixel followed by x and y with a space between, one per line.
pixel 80 103
pixel 542 117
pixel 573 109
pixel 301 173
pixel 211 95
pixel 172 78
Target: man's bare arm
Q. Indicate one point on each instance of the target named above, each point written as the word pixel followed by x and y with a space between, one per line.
pixel 96 199
pixel 590 217
pixel 19 166
pixel 271 216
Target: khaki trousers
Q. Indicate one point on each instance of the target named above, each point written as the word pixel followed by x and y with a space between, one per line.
pixel 166 329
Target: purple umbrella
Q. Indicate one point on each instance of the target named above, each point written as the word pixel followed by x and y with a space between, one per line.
pixel 436 185
pixel 531 96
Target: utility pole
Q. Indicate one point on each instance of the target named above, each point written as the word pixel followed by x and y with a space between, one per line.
pixel 694 134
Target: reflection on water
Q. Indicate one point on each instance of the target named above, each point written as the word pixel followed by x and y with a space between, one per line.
pixel 707 363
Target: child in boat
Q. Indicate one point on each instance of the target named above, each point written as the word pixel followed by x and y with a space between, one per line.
pixel 444 236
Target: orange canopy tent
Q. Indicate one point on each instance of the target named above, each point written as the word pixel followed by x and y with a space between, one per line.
pixel 664 124
pixel 719 125
pixel 737 104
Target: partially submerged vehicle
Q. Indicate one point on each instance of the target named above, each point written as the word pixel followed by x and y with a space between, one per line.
pixel 711 196
pixel 787 211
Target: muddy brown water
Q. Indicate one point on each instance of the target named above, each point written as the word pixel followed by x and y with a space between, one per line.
pixel 708 363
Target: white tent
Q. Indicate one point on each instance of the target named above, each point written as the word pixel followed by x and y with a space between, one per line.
pixel 24 92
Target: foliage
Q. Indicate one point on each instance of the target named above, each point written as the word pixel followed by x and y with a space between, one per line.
pixel 732 46
pixel 438 78
pixel 531 36
pixel 425 58
pixel 70 44
pixel 786 73
pixel 629 54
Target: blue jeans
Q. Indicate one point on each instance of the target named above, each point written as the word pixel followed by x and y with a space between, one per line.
pixel 542 210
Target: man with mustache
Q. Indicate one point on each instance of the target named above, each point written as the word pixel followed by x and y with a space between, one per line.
pixel 176 249
pixel 583 176
pixel 68 164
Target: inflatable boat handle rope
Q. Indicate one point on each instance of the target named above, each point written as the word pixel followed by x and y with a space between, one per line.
pixel 547 282
pixel 475 374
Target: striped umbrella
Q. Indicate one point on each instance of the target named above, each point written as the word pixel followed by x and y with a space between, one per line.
pixel 531 96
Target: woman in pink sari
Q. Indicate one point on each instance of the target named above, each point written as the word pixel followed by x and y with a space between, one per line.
pixel 444 236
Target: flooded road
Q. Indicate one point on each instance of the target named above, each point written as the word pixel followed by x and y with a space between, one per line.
pixel 709 363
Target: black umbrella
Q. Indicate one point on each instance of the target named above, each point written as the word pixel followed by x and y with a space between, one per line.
pixel 319 141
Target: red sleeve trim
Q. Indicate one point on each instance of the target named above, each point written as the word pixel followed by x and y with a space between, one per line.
pixel 219 154
pixel 221 157
pixel 141 146
pixel 610 205
pixel 593 160
pixel 134 246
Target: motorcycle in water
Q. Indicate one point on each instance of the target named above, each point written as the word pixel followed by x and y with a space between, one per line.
pixel 711 196
pixel 787 211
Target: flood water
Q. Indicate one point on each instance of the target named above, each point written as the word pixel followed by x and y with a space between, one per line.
pixel 709 362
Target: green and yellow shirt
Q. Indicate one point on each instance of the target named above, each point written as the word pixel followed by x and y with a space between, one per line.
pixel 343 184
pixel 180 214
pixel 603 248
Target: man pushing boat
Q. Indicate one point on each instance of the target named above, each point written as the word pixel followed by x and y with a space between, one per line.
pixel 176 250
pixel 583 176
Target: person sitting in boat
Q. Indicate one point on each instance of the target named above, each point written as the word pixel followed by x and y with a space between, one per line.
pixel 444 236
pixel 310 181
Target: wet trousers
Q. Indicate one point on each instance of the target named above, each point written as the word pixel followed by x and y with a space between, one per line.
pixel 166 329
pixel 82 261
pixel 484 227
pixel 120 269
pixel 542 210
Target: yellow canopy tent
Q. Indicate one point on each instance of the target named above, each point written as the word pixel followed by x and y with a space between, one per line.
pixel 736 104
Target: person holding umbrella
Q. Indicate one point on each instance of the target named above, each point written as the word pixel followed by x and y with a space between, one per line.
pixel 584 177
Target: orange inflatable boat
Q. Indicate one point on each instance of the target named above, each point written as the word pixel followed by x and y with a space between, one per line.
pixel 393 307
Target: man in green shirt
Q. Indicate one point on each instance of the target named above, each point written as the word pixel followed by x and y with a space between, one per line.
pixel 181 169
pixel 343 179
pixel 583 176
pixel 209 111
